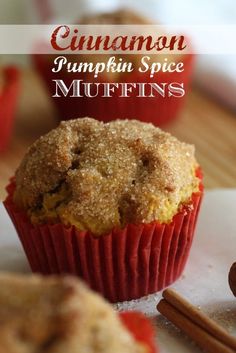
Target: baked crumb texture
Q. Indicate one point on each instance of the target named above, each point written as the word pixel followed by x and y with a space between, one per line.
pixel 98 176
pixel 58 315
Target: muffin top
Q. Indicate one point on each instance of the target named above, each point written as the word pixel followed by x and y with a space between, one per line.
pixel 98 176
pixel 47 315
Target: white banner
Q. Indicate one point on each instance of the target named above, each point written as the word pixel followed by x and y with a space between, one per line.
pixel 117 39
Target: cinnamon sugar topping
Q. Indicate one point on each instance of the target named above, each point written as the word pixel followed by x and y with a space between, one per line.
pixel 97 176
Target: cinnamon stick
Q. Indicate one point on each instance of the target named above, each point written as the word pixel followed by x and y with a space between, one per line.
pixel 199 318
pixel 204 340
pixel 232 278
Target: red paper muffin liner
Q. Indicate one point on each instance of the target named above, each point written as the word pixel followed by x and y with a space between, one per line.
pixel 8 101
pixel 157 110
pixel 140 328
pixel 126 264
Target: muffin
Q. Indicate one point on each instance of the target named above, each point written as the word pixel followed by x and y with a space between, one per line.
pixel 115 203
pixel 54 314
pixel 156 109
pixel 9 92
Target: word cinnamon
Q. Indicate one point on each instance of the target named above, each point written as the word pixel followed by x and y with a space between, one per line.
pixel 67 37
pixel 209 336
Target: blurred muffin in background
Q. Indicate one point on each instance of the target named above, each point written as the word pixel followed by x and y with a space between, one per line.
pixel 60 314
pixel 9 94
pixel 156 109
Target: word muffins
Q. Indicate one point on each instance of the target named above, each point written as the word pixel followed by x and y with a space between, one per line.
pixel 114 203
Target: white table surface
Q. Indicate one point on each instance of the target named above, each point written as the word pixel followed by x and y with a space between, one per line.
pixel 205 280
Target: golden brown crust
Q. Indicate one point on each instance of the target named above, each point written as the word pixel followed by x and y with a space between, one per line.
pixel 97 176
pixel 58 315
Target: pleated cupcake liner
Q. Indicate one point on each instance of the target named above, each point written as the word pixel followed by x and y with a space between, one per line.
pixel 126 264
pixel 8 101
pixel 157 110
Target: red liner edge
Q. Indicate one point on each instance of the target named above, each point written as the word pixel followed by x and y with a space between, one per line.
pixel 140 328
pixel 8 101
pixel 126 264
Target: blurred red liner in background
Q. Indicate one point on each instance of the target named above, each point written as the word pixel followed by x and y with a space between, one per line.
pixel 8 102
